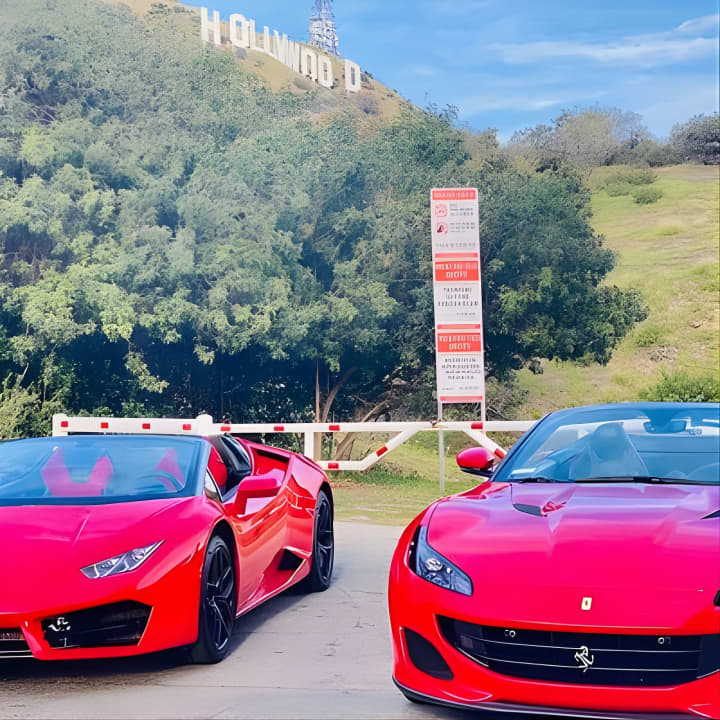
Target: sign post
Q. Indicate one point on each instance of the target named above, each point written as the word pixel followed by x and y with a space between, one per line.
pixel 459 346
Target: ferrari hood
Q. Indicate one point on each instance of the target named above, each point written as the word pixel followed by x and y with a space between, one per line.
pixel 45 546
pixel 647 546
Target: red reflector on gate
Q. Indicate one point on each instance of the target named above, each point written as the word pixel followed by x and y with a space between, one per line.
pixel 279 428
pixel 477 426
pixel 187 426
pixel 104 426
pixel 334 428
pixel 333 466
pixel 382 451
pixel 225 428
pixel 500 453
pixel 64 424
pixel 146 426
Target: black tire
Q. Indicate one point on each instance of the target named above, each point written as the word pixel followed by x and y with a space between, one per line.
pixel 323 557
pixel 218 599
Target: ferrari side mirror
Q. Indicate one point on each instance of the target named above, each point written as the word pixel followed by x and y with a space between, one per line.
pixel 476 461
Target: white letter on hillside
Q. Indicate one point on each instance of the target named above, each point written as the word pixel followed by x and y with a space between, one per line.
pixel 281 47
pixel 267 47
pixel 309 64
pixel 293 57
pixel 239 31
pixel 206 26
pixel 325 71
pixel 253 36
pixel 352 76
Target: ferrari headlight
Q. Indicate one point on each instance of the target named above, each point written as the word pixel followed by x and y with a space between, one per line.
pixel 433 567
pixel 125 562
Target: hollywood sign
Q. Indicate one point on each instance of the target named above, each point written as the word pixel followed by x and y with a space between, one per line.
pixel 298 57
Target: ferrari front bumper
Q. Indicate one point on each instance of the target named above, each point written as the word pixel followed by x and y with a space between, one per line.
pixel 517 709
pixel 430 668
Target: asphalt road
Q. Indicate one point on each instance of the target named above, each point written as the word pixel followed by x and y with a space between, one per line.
pixel 325 655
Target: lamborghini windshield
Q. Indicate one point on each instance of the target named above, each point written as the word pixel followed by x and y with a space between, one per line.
pixel 97 469
pixel 677 443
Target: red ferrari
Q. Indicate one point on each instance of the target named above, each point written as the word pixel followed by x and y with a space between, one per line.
pixel 581 578
pixel 117 545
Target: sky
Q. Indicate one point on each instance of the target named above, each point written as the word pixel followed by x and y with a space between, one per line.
pixel 511 64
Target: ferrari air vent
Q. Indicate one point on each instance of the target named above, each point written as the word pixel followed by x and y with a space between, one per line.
pixel 118 624
pixel 586 658
pixel 426 657
pixel 13 644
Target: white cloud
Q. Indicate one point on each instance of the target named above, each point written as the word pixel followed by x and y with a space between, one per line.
pixel 493 100
pixel 707 23
pixel 645 50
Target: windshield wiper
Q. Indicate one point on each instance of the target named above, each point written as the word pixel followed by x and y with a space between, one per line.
pixel 650 479
pixel 537 479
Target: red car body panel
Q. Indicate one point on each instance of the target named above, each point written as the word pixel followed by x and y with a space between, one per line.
pixel 47 545
pixel 643 553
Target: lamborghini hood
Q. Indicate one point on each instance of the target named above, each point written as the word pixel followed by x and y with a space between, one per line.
pixel 45 546
pixel 649 554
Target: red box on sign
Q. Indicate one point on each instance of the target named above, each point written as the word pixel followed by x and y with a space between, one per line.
pixel 455 194
pixel 463 271
pixel 459 342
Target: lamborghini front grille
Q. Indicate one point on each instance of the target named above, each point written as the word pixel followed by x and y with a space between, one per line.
pixel 13 643
pixel 586 658
pixel 117 624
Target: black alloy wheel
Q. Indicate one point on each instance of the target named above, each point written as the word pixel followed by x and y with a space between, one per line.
pixel 323 557
pixel 217 604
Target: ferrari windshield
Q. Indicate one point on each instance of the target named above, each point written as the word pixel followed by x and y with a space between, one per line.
pixel 659 442
pixel 92 469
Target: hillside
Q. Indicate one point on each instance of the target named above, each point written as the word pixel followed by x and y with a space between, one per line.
pixel 668 250
pixel 374 103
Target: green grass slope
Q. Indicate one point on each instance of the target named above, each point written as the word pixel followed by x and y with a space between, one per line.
pixel 669 252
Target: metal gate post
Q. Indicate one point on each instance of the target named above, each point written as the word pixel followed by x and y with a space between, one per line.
pixel 309 445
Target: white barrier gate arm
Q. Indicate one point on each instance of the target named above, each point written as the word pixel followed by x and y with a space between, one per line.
pixel 204 425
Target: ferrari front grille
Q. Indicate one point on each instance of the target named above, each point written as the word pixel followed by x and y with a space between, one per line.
pixel 112 625
pixel 13 643
pixel 586 658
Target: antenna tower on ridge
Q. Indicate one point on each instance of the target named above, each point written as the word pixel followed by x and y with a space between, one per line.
pixel 322 27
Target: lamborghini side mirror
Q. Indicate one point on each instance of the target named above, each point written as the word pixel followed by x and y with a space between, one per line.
pixel 257 486
pixel 476 461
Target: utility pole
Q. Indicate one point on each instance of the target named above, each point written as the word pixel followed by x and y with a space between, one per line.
pixel 322 27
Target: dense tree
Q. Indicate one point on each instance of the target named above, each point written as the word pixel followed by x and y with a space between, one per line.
pixel 698 140
pixel 176 238
pixel 587 137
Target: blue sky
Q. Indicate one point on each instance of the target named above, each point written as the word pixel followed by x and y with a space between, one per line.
pixel 509 64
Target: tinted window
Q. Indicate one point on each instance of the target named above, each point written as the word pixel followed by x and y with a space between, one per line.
pixel 96 469
pixel 680 442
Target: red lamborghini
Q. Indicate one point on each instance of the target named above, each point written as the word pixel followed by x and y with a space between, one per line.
pixel 581 578
pixel 118 545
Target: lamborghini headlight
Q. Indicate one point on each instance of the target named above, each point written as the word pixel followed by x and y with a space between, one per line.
pixel 433 567
pixel 125 562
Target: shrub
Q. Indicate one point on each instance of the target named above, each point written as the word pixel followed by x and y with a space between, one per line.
pixel 680 386
pixel 653 153
pixel 616 189
pixel 633 177
pixel 641 177
pixel 648 336
pixel 646 195
pixel 622 183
